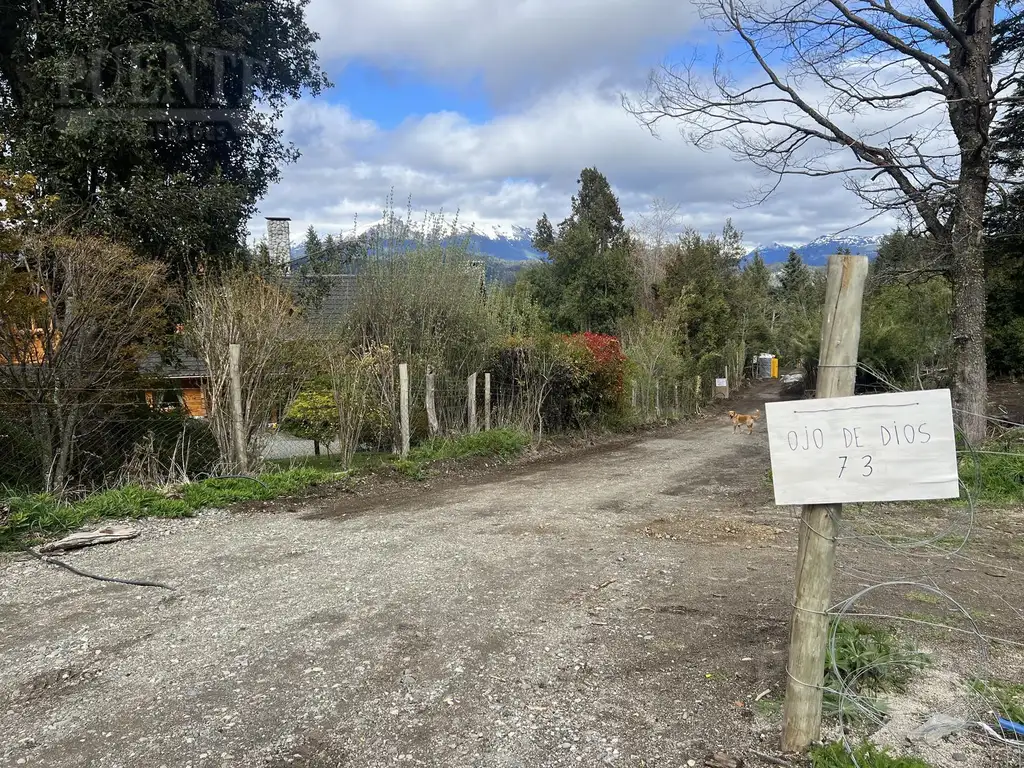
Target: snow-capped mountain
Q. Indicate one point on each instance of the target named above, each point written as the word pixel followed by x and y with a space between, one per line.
pixel 816 252
pixel 515 247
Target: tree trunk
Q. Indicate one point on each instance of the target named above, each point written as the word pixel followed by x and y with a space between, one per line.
pixel 970 382
pixel 971 120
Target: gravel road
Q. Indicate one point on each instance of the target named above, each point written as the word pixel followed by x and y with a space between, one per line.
pixel 618 608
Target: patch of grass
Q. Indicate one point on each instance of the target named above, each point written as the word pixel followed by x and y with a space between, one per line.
pixel 130 502
pixel 30 518
pixel 865 755
pixel 768 708
pixel 870 661
pixel 1006 698
pixel 499 443
pixel 923 597
pixel 502 444
pixel 417 470
pixel 995 472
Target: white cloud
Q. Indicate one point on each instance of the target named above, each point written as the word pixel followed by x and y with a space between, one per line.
pixel 510 170
pixel 514 44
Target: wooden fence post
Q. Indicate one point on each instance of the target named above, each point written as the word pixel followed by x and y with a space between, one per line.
pixel 471 402
pixel 632 398
pixel 837 371
pixel 432 423
pixel 403 405
pixel 237 420
pixel 675 397
pixel 487 401
pixel 657 397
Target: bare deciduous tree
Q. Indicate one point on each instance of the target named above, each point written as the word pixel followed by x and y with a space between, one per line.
pixel 79 313
pixel 652 238
pixel 898 97
pixel 242 308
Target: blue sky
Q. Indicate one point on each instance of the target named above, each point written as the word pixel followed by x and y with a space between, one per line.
pixel 492 109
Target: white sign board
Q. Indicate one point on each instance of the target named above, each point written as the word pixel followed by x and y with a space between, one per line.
pixel 892 447
pixel 721 382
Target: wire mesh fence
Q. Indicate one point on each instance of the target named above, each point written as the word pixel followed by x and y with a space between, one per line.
pixel 160 431
pixel 958 694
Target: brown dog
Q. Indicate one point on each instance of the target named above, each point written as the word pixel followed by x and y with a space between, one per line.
pixel 744 420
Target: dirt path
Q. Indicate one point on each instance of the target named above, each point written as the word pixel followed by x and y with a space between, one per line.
pixel 612 609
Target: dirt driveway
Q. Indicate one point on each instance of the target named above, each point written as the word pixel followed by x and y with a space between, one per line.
pixel 619 608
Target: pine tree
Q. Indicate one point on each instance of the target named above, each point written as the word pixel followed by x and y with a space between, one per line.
pixel 794 278
pixel 597 208
pixel 544 236
pixel 587 284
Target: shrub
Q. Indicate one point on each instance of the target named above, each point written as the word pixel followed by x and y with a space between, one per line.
pixel 20 466
pixel 869 661
pixel 127 444
pixel 500 443
pixel 313 416
pixel 568 381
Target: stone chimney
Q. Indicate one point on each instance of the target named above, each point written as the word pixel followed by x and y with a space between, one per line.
pixel 279 241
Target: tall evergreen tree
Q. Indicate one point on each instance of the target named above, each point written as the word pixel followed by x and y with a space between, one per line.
pixel 544 235
pixel 587 284
pixel 794 278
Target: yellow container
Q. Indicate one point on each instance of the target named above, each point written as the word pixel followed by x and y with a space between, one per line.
pixel 775 367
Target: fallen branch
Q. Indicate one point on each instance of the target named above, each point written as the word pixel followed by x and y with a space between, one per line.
pixel 65 566
pixel 89 538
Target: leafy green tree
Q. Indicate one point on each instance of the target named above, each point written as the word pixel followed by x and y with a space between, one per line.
pixel 313 416
pixel 906 332
pixel 155 122
pixel 755 309
pixel 701 274
pixel 587 283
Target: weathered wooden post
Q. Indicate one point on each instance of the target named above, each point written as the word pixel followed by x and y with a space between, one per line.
pixel 487 401
pixel 237 420
pixel 657 398
pixel 471 402
pixel 432 423
pixel 403 405
pixel 837 370
pixel 675 397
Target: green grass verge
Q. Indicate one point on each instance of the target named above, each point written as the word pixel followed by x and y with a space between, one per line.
pixel 870 661
pixel 502 444
pixel 866 755
pixel 995 472
pixel 27 519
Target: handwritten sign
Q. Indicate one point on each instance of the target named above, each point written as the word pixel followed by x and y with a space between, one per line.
pixel 892 447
